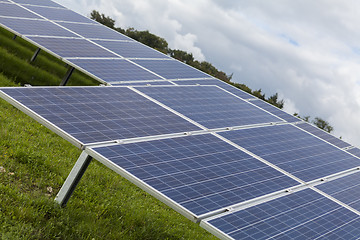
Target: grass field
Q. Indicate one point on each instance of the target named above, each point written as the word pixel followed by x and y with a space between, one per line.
pixel 34 163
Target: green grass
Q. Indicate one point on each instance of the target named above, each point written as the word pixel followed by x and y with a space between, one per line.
pixel 35 163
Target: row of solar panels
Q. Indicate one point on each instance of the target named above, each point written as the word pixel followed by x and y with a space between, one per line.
pixel 233 151
pixel 103 53
pixel 203 150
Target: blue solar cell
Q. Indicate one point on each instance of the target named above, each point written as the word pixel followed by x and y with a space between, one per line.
pixel 201 173
pixel 276 111
pixel 294 150
pixel 131 49
pixel 345 189
pixel 46 3
pixel 113 70
pixel 219 83
pixel 301 215
pixel 355 151
pixel 171 69
pixel 66 48
pixel 95 114
pixel 323 135
pixel 209 105
pixel 35 27
pixel 143 83
pixel 12 10
pixel 59 14
pixel 95 31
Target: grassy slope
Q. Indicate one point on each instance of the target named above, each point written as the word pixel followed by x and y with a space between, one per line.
pixel 35 163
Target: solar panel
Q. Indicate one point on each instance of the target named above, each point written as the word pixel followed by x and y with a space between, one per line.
pixel 70 47
pixel 276 111
pixel 171 69
pixel 219 83
pixel 131 49
pixel 323 135
pixel 113 70
pixel 301 215
pixel 13 10
pixel 143 83
pixel 94 31
pixel 346 189
pixel 34 27
pixel 294 150
pixel 95 114
pixel 39 3
pixel 200 173
pixel 59 14
pixel 209 105
pixel 355 151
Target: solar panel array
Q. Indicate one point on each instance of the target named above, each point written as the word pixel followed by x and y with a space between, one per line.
pixel 214 153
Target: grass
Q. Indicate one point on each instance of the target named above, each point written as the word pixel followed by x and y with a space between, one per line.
pixel 34 163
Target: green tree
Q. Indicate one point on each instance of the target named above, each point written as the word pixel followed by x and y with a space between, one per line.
pixel 321 123
pixel 101 18
pixel 274 100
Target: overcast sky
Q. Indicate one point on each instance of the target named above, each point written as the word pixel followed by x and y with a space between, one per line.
pixel 307 51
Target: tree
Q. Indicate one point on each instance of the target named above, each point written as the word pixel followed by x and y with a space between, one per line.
pixel 101 18
pixel 274 100
pixel 320 123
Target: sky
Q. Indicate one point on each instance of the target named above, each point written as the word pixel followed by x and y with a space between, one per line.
pixel 306 51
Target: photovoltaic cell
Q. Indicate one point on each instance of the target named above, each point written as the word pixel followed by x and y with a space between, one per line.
pixel 39 3
pixel 294 150
pixel 346 189
pixel 114 70
pixel 301 215
pixel 209 105
pixel 131 49
pixel 323 135
pixel 355 151
pixel 35 27
pixel 144 83
pixel 94 31
pixel 171 69
pixel 59 14
pixel 66 48
pixel 219 83
pixel 95 114
pixel 276 111
pixel 13 10
pixel 201 173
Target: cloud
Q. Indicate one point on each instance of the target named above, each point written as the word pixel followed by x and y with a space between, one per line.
pixel 308 55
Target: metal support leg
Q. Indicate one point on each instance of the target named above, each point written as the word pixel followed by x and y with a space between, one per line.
pixel 67 76
pixel 35 55
pixel 73 179
pixel 14 37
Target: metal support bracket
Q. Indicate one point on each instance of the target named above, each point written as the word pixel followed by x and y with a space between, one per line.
pixel 67 76
pixel 14 37
pixel 35 55
pixel 73 179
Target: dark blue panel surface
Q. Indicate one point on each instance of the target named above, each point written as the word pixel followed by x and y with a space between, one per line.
pixel 66 48
pixel 94 31
pixel 219 83
pixel 301 215
pixel 35 27
pixel 171 69
pixel 144 83
pixel 12 10
pixel 59 14
pixel 114 70
pixel 323 135
pixel 94 114
pixel 131 49
pixel 47 3
pixel 209 105
pixel 294 150
pixel 345 189
pixel 276 111
pixel 201 173
pixel 355 151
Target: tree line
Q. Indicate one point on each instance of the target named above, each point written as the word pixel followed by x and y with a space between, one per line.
pixel 161 45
